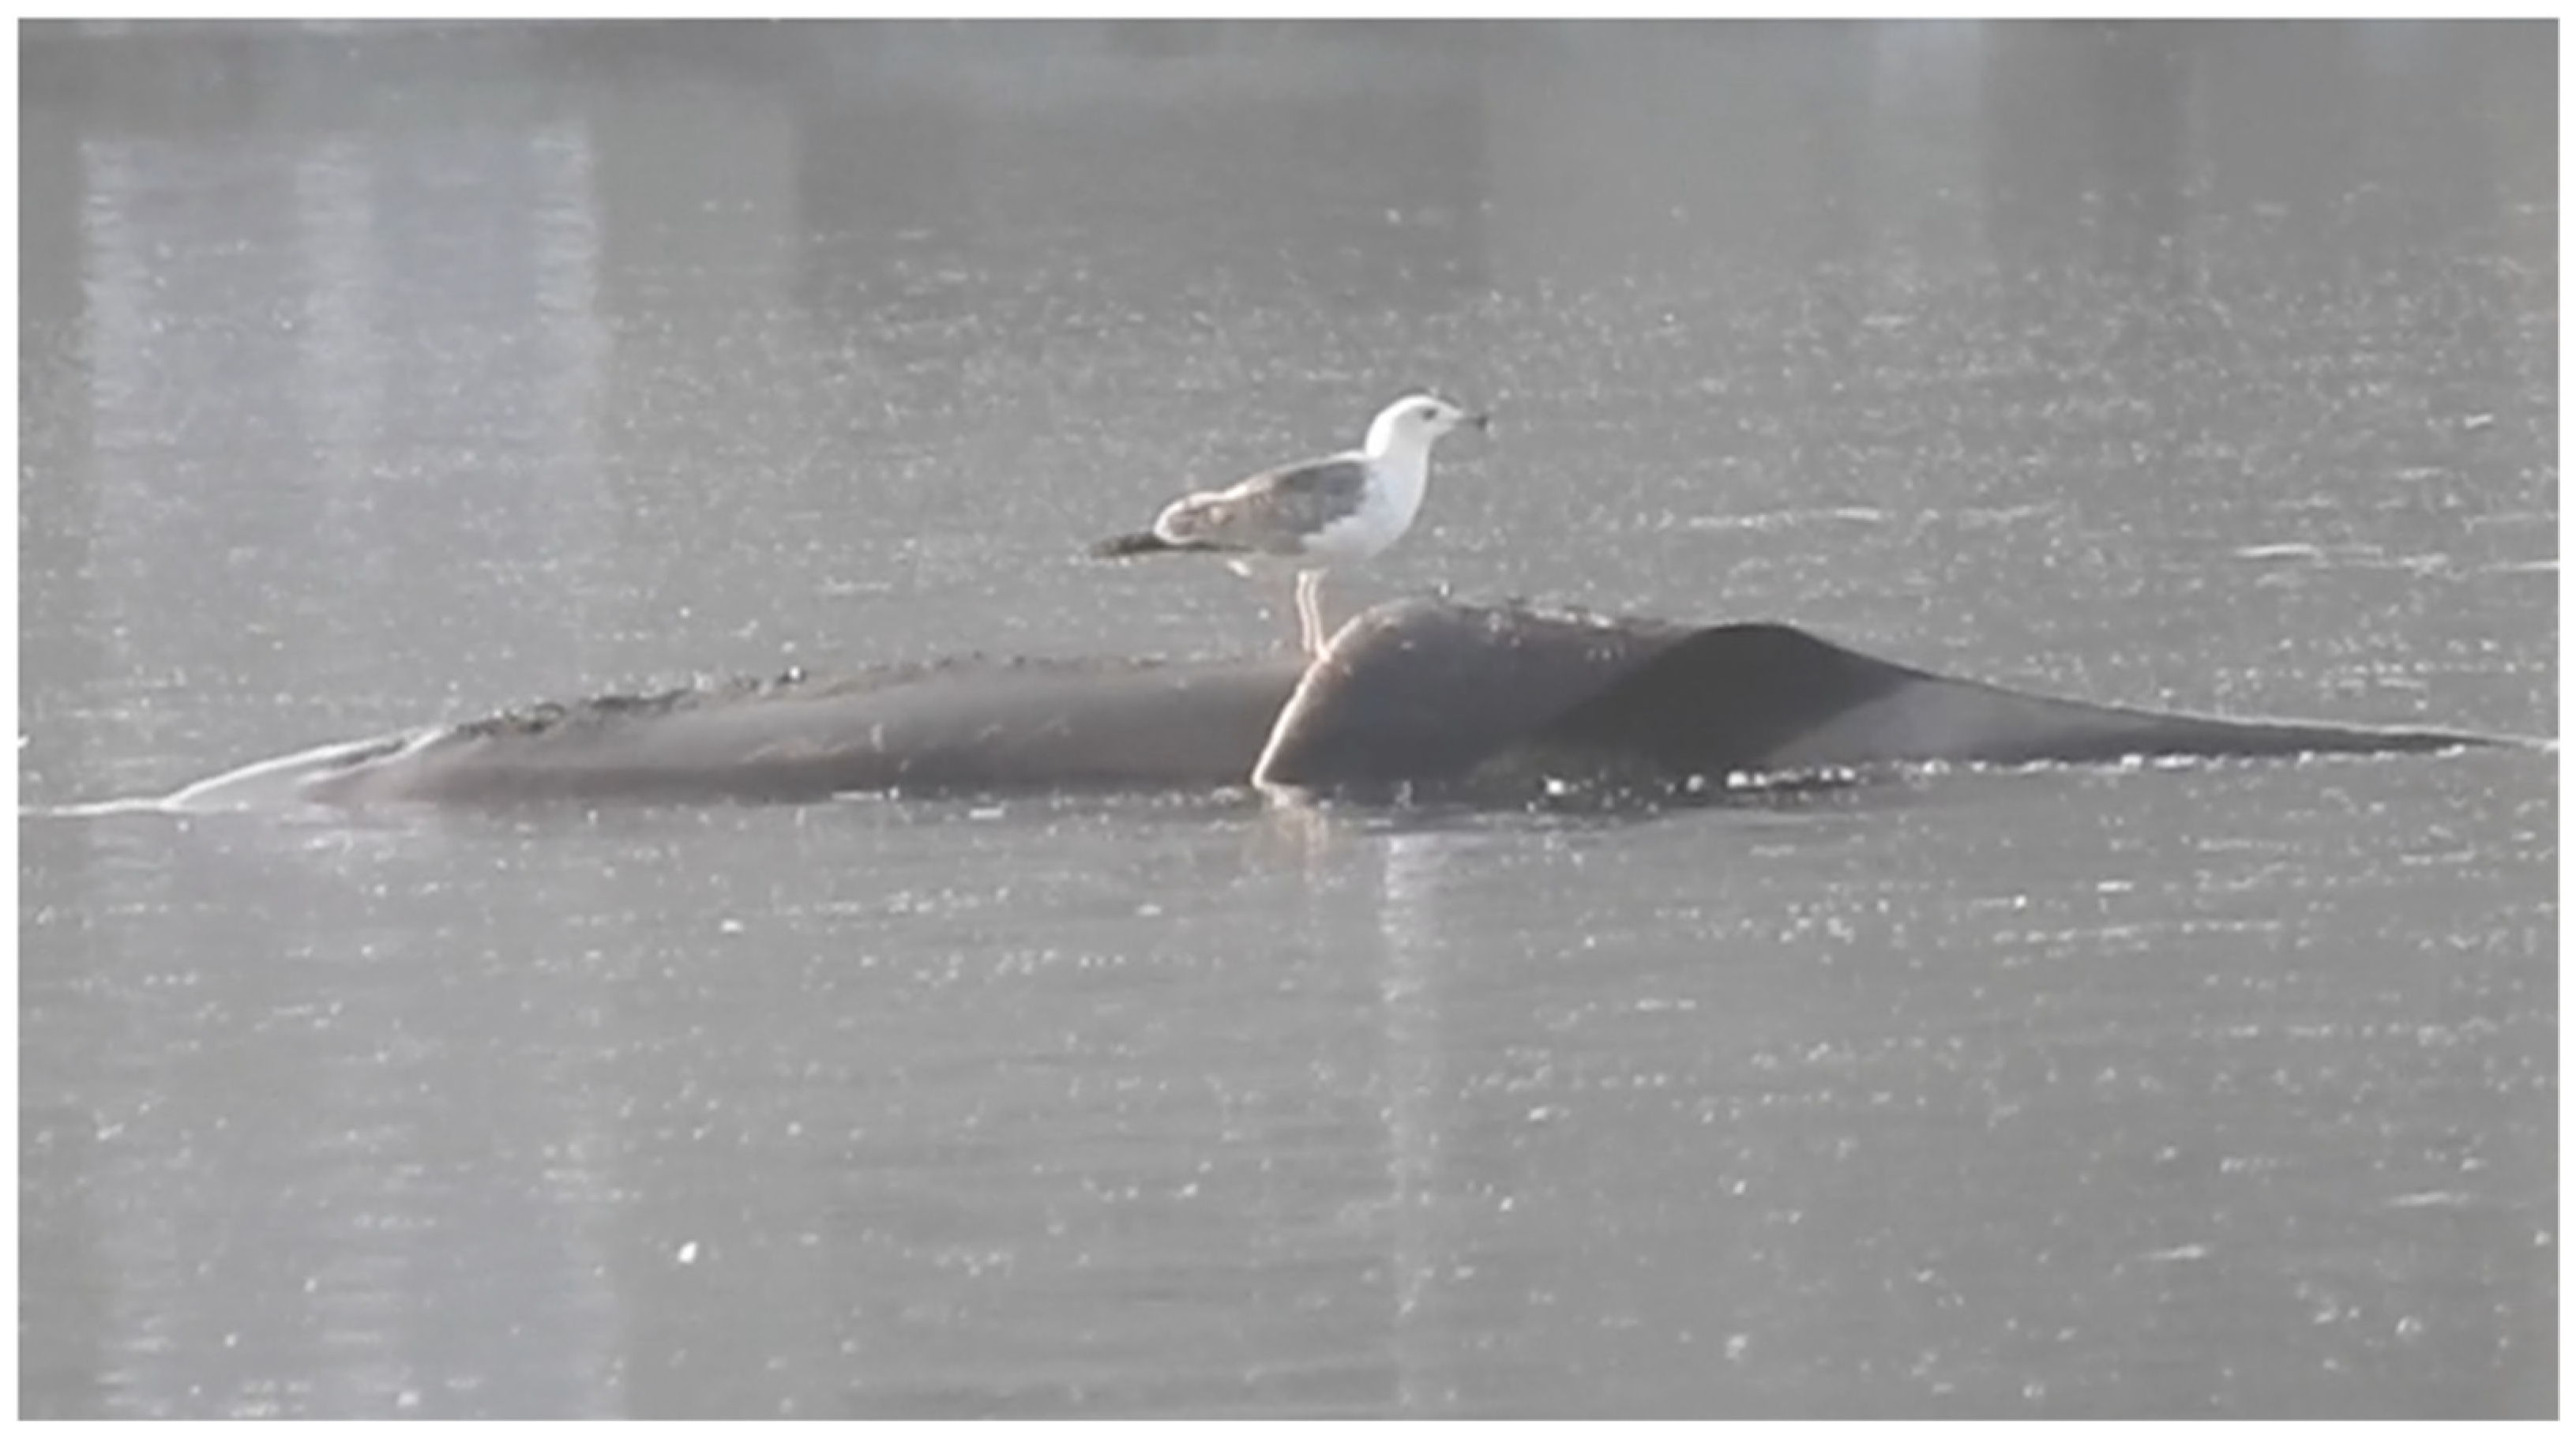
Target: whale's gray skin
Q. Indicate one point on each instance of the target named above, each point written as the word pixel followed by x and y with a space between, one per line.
pixel 1416 690
pixel 968 725
pixel 1413 692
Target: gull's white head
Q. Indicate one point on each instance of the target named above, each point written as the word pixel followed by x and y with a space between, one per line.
pixel 1413 422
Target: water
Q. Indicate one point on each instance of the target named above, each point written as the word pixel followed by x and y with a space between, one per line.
pixel 373 377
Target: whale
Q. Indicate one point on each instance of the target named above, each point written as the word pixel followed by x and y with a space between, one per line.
pixel 1413 695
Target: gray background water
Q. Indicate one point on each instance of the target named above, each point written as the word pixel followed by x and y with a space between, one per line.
pixel 370 377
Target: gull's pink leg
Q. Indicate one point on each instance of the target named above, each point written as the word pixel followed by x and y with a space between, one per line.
pixel 1310 612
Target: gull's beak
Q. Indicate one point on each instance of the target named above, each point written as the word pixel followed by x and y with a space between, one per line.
pixel 1482 420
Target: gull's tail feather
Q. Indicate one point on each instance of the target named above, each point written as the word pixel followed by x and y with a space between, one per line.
pixel 1143 542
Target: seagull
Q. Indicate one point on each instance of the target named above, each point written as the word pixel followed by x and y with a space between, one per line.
pixel 1314 514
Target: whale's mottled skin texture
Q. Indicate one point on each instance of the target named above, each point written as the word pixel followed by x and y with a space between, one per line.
pixel 1413 692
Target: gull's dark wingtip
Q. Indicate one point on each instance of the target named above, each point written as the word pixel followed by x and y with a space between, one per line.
pixel 1119 547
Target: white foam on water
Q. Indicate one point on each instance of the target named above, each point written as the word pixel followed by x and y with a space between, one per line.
pixel 268 783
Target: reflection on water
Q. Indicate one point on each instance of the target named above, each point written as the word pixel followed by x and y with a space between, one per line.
pixel 375 375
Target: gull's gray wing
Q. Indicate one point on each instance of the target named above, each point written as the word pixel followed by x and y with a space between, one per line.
pixel 1272 513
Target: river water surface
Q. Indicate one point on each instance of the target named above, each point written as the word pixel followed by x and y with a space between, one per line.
pixel 371 377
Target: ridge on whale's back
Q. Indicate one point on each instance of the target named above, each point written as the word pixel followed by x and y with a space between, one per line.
pixel 1419 689
pixel 1424 689
pixel 1411 691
